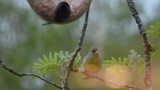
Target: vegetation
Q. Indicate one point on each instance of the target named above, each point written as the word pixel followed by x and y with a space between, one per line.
pixel 27 46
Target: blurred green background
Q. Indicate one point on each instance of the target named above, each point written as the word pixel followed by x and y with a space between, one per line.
pixel 23 38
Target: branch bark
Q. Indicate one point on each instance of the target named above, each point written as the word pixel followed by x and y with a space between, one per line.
pixel 27 74
pixel 97 77
pixel 147 46
pixel 77 49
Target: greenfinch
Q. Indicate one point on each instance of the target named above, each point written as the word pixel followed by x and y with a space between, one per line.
pixel 92 61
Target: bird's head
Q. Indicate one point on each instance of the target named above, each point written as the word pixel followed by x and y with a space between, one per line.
pixel 94 51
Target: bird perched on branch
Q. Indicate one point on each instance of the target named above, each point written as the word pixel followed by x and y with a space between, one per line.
pixel 92 62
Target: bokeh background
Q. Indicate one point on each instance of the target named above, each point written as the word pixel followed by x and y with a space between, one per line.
pixel 111 28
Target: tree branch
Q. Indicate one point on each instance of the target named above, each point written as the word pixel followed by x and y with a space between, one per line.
pixel 95 76
pixel 147 46
pixel 27 74
pixel 77 49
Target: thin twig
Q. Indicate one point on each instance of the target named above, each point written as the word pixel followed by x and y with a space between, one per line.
pixel 27 74
pixel 147 46
pixel 77 49
pixel 95 76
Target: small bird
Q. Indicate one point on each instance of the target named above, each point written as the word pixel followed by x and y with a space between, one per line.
pixel 92 61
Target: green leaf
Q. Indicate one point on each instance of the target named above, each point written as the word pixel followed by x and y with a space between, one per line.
pixel 50 57
pixel 41 61
pixel 43 66
pixel 56 63
pixel 78 60
pixel 55 58
pixel 46 59
pixel 120 61
pixel 154 30
pixel 155 55
pixel 134 61
pixel 114 60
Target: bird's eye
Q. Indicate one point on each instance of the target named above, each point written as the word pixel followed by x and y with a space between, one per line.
pixel 94 51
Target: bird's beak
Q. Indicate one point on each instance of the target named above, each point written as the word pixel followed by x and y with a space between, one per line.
pixel 96 52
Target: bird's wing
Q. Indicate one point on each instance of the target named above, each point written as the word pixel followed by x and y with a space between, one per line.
pixel 84 60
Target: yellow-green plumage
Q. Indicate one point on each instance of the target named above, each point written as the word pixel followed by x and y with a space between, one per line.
pixel 92 62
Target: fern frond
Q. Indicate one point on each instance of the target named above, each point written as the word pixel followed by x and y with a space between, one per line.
pixel 43 66
pixel 56 63
pixel 134 61
pixel 113 61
